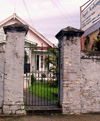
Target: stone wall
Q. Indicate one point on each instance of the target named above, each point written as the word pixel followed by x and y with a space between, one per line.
pixel 14 69
pixel 2 52
pixel 71 76
pixel 61 59
pixel 90 83
pixel 69 41
pixel 14 63
pixel 79 73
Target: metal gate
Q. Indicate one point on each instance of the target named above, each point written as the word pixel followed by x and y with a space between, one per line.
pixel 41 75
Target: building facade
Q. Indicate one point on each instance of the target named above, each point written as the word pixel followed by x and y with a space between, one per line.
pixel 90 23
pixel 36 48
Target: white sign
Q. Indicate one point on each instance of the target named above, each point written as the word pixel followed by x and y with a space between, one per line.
pixel 90 15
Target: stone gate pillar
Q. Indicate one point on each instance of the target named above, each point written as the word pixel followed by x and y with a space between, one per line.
pixel 69 41
pixel 14 69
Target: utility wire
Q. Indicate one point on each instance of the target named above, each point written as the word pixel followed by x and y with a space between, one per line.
pixel 28 12
pixel 67 12
pixel 61 12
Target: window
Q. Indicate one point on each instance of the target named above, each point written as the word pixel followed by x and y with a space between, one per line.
pixel 41 61
pixel 37 62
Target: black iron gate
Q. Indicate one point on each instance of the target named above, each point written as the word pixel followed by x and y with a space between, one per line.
pixel 41 75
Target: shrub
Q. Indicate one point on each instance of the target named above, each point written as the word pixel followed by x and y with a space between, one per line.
pixel 43 75
pixel 96 44
pixel 33 79
pixel 53 83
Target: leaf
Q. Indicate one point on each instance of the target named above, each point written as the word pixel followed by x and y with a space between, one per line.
pixel 52 114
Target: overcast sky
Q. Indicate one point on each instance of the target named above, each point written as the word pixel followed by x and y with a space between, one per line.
pixel 48 16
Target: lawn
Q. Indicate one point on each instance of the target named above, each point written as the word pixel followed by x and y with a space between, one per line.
pixel 44 90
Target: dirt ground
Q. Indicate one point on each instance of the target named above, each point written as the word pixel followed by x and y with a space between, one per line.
pixel 52 117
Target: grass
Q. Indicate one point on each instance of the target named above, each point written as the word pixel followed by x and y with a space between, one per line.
pixel 44 90
pixel 24 106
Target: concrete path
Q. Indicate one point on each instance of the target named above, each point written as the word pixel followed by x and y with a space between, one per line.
pixel 33 100
pixel 53 117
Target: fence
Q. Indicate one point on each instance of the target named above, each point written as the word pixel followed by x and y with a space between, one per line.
pixel 41 76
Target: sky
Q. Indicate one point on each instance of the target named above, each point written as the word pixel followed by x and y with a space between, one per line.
pixel 46 16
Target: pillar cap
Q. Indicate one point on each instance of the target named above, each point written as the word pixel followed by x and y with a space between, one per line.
pixel 16 27
pixel 69 31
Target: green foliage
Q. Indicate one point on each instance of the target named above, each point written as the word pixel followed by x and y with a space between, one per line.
pixel 33 79
pixel 52 114
pixel 12 114
pixel 24 106
pixel 52 60
pixel 96 44
pixel 96 39
pixel 29 107
pixel 43 75
pixel 53 84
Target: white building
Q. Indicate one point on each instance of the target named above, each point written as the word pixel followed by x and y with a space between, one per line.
pixel 36 46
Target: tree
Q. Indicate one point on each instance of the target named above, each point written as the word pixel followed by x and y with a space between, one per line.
pixel 52 61
pixel 96 44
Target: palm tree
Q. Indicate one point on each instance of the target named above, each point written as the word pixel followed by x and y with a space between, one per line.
pixel 96 44
pixel 52 61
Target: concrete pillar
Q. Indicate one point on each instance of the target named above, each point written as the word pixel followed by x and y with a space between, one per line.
pixel 14 69
pixel 69 41
pixel 2 52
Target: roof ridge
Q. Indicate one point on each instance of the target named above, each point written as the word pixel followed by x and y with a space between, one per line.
pixel 14 15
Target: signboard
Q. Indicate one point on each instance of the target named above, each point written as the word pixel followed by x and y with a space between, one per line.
pixel 90 15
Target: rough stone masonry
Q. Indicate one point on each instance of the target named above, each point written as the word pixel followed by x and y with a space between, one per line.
pixel 69 39
pixel 14 68
pixel 79 73
pixel 2 52
pixel 79 78
pixel 90 82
